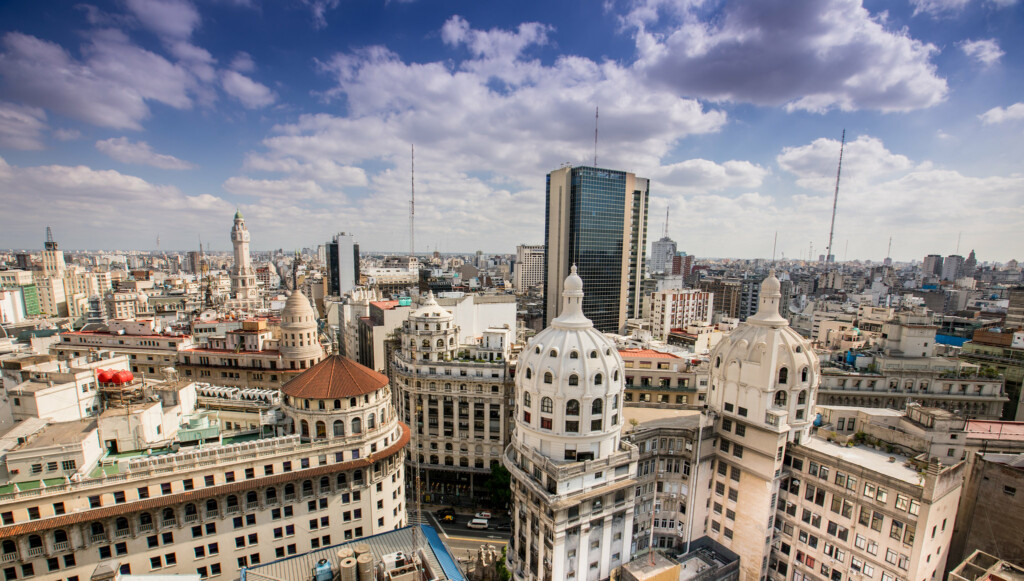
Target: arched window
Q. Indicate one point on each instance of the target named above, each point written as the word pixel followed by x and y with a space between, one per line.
pixel 271 495
pixel 546 405
pixel 190 510
pixel 211 507
pixel 325 484
pixel 801 398
pixel 289 490
pixel 145 519
pixel 251 497
pixel 529 373
pixel 95 528
pixel 371 421
pixel 548 378
pixel 36 541
pixel 598 379
pixel 11 548
pixel 337 404
pixel 451 341
pixel 615 375
pixel 780 398
pixel 169 516
pixel 352 400
pixel 597 407
pixel 440 343
pixel 718 361
pixel 232 502
pixel 304 428
pixel 574 379
pixel 426 344
pixel 615 402
pixel 307 487
pixel 593 354
pixel 803 374
pixel 574 355
pixel 537 349
pixel 783 375
pixel 433 459
pixel 357 476
pixel 342 480
pixel 59 536
pixel 357 426
pixel 526 400
pixel 321 429
pixel 572 407
pixel 339 428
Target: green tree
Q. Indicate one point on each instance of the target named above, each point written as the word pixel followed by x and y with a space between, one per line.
pixel 503 572
pixel 499 485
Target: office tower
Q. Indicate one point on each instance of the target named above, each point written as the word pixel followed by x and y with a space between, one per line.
pixel 932 265
pixel 952 267
pixel 662 254
pixel 243 276
pixel 970 265
pixel 596 219
pixel 529 268
pixel 342 254
pixel 573 476
pixel 53 257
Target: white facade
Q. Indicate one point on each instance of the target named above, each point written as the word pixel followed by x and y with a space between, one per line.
pixel 573 477
pixel 529 266
pixel 677 309
pixel 243 275
pixel 662 253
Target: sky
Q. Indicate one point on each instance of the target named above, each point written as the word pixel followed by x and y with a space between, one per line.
pixel 125 121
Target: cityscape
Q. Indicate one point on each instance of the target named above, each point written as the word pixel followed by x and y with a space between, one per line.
pixel 394 291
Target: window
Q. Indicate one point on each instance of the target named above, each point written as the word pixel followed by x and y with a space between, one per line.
pixel 572 407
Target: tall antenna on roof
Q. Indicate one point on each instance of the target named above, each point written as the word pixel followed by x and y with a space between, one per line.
pixel 666 221
pixel 835 201
pixel 774 245
pixel 412 206
pixel 596 109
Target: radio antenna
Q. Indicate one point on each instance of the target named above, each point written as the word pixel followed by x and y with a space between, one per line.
pixel 835 201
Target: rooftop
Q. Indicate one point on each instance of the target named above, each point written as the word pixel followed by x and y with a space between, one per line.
pixel 994 430
pixel 647 353
pixel 333 378
pixel 865 457
pixel 675 418
pixel 61 433
pixel 385 305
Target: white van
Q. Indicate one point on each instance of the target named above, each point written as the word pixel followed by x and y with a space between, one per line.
pixel 477 523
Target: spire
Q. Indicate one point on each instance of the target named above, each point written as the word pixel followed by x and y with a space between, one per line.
pixel 572 303
pixel 768 308
pixel 238 214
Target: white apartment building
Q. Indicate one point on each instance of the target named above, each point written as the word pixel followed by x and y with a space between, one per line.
pixel 529 268
pixel 676 309
pixel 148 347
pixel 573 476
pixel 333 473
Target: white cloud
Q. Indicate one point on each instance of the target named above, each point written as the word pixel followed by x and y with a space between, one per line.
pixel 243 63
pixel 67 134
pixel 319 10
pixel 21 127
pixel 251 94
pixel 985 51
pixel 811 55
pixel 109 87
pixel 865 159
pixel 140 153
pixel 702 175
pixel 174 19
pixel 1014 112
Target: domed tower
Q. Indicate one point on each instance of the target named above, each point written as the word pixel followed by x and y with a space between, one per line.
pixel 764 379
pixel 572 475
pixel 299 345
pixel 243 275
pixel 430 334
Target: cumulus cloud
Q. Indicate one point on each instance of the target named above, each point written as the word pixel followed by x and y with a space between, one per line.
pixel 251 94
pixel 168 18
pixel 139 153
pixel 110 87
pixel 702 175
pixel 319 9
pixel 995 115
pixel 243 63
pixel 21 127
pixel 986 51
pixel 811 55
pixel 864 159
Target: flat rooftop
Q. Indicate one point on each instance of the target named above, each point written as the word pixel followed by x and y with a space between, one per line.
pixel 644 415
pixel 61 433
pixel 994 430
pixel 874 460
pixel 867 411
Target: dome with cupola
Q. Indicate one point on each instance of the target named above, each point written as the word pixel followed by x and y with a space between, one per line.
pixel 764 370
pixel 569 383
pixel 300 343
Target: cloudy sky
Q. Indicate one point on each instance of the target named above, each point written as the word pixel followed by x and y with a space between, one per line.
pixel 124 120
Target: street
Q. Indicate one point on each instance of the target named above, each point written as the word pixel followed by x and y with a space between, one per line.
pixel 464 541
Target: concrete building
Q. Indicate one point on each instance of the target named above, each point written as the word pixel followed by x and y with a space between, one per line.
pixel 53 257
pixel 596 219
pixel 1015 309
pixel 334 473
pixel 243 275
pixel 981 566
pixel 149 348
pixel 663 251
pixel 663 378
pixel 952 267
pixel 991 513
pixel 726 295
pixel 573 476
pixel 673 309
pixel 454 396
pixel 61 390
pixel 932 266
pixel 1003 353
pixel 529 267
pixel 342 257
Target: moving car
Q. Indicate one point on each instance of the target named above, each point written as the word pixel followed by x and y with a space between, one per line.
pixel 445 515
pixel 477 523
pixel 482 514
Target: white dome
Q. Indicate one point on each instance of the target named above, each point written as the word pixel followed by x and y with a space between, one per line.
pixel 566 368
pixel 431 309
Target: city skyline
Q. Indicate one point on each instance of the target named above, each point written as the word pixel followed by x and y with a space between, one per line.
pixel 167 116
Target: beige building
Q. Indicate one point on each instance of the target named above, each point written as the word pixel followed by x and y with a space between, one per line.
pixel 663 378
pixel 529 267
pixel 673 309
pixel 333 474
pixel 148 348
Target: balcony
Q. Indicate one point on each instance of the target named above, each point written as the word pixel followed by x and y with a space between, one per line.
pixel 169 522
pixel 252 505
pixel 8 557
pixel 122 533
pixel 35 551
pixel 191 518
pixel 97 539
pixel 61 546
pixel 146 528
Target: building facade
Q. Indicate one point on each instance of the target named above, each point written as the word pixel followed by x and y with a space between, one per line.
pixel 573 476
pixel 663 251
pixel 529 268
pixel 342 256
pixel 596 219
pixel 668 310
pixel 243 275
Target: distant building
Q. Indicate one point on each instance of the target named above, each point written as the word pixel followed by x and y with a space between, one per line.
pixel 596 219
pixel 342 255
pixel 243 275
pixel 663 251
pixel 668 310
pixel 932 265
pixel 952 267
pixel 529 267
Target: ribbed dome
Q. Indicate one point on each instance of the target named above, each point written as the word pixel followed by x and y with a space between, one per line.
pixel 430 308
pixel 570 366
pixel 299 337
pixel 297 308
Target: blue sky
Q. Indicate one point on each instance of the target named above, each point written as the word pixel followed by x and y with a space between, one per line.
pixel 123 120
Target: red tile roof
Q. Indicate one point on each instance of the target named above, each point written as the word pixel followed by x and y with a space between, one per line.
pixel 995 430
pixel 384 305
pixel 201 494
pixel 647 353
pixel 335 377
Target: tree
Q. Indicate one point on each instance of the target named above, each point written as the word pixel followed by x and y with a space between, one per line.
pixel 499 485
pixel 501 567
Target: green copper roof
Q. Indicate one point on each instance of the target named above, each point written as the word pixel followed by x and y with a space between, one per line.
pixel 238 214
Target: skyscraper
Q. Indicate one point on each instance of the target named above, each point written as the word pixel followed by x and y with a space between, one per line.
pixel 663 251
pixel 932 265
pixel 342 254
pixel 529 268
pixel 952 267
pixel 596 219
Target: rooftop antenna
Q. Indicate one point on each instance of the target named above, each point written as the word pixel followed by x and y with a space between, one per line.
pixel 596 110
pixel 666 219
pixel 835 201
pixel 50 244
pixel 412 206
pixel 958 234
pixel 888 253
pixel 774 245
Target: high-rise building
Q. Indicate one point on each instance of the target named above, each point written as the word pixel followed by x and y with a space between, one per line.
pixel 682 264
pixel 243 275
pixel 529 268
pixel 53 257
pixel 952 267
pixel 970 265
pixel 573 476
pixel 596 219
pixel 932 265
pixel 342 255
pixel 676 309
pixel 662 253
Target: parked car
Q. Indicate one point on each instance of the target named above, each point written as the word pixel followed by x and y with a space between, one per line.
pixel 477 523
pixel 482 514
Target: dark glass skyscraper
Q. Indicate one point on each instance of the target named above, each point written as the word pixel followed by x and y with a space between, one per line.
pixel 596 219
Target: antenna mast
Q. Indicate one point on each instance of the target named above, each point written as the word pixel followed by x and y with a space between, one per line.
pixel 666 221
pixel 835 201
pixel 412 209
pixel 888 253
pixel 596 110
pixel 774 245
